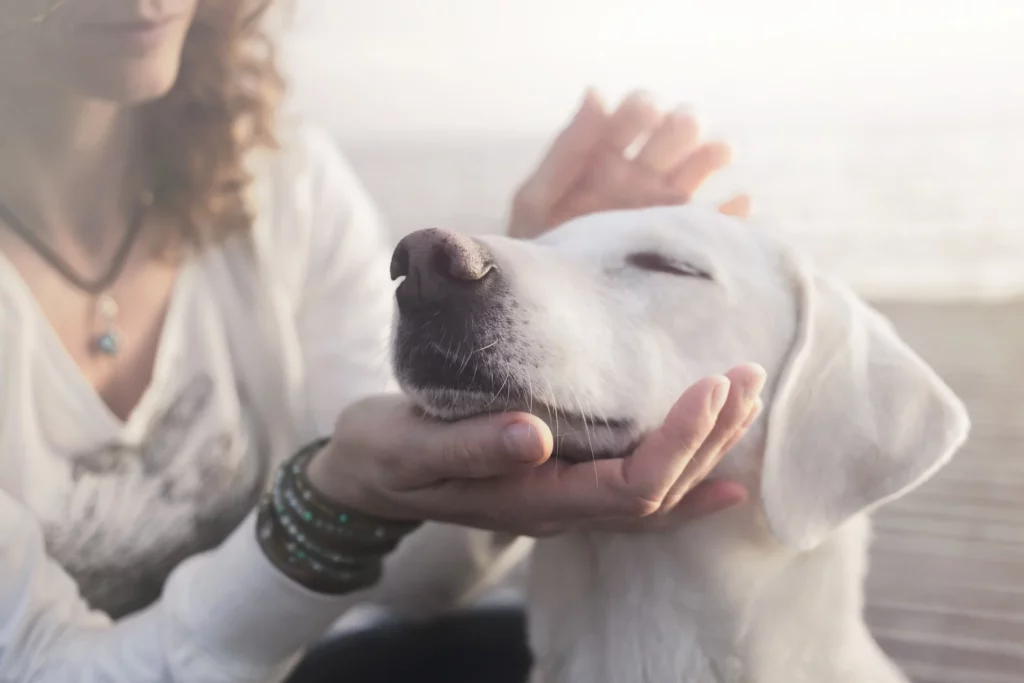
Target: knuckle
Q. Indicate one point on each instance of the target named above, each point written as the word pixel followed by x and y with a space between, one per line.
pixel 386 459
pixel 639 506
pixel 387 471
pixel 692 442
pixel 457 458
pixel 687 441
pixel 683 488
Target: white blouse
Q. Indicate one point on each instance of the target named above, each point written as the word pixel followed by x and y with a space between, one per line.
pixel 267 337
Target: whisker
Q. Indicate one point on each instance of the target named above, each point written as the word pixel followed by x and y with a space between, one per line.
pixel 586 430
pixel 447 353
pixel 497 394
pixel 484 348
pixel 465 340
pixel 529 400
pixel 457 354
pixel 45 14
pixel 550 400
pixel 425 324
pixel 508 390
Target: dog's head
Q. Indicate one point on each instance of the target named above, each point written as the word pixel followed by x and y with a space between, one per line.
pixel 598 326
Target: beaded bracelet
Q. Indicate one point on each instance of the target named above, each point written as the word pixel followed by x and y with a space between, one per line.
pixel 321 545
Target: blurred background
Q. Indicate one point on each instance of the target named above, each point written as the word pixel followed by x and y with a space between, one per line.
pixel 886 137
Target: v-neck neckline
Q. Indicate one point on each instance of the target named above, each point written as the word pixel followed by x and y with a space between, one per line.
pixel 70 377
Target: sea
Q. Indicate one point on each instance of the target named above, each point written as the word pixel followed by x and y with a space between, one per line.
pixel 900 211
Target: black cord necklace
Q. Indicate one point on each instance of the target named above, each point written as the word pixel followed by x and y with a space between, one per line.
pixel 107 341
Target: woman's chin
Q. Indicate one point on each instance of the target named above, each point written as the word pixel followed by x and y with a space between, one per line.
pixel 131 84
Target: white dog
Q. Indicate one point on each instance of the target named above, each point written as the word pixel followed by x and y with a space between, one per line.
pixel 598 327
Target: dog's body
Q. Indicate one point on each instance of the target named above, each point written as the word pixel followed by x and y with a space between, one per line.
pixel 598 327
pixel 716 602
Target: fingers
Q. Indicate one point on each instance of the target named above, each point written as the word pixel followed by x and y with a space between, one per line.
pixel 589 166
pixel 755 411
pixel 635 116
pixel 671 151
pixel 670 144
pixel 562 166
pixel 674 459
pixel 644 478
pixel 572 150
pixel 699 166
pixel 670 166
pixel 671 460
pixel 745 384
pixel 623 186
pixel 689 495
pixel 738 206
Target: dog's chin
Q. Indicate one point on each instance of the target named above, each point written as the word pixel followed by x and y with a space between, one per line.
pixel 577 437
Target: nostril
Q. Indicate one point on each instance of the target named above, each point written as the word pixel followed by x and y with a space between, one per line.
pixel 400 262
pixel 437 266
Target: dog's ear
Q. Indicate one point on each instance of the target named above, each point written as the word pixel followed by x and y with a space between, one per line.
pixel 857 417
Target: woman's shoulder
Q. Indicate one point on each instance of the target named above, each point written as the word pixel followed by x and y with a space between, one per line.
pixel 306 175
pixel 308 155
pixel 309 203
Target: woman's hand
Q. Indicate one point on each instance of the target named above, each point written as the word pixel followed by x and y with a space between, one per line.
pixel 495 472
pixel 588 167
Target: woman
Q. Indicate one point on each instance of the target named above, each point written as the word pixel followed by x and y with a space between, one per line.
pixel 191 293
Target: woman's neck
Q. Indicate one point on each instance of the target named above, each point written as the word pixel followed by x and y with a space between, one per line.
pixel 65 165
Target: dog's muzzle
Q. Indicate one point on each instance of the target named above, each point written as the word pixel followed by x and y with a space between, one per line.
pixel 453 307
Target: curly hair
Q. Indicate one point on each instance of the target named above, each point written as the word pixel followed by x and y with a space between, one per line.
pixel 220 108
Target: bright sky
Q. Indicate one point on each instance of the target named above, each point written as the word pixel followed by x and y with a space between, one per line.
pixel 519 65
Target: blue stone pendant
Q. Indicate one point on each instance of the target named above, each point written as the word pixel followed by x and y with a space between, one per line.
pixel 108 342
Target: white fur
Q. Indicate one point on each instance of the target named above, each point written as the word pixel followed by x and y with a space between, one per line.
pixel 770 591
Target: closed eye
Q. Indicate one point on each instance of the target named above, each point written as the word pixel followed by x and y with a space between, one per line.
pixel 659 263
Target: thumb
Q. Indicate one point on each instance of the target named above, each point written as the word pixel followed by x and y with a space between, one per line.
pixel 485 446
pixel 568 156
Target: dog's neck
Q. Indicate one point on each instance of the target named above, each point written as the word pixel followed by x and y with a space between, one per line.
pixel 717 602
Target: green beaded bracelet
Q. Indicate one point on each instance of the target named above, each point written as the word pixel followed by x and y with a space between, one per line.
pixel 322 545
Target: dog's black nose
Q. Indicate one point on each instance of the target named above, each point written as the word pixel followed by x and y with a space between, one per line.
pixel 439 266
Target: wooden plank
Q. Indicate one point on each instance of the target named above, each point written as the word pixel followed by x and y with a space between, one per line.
pixel 946 587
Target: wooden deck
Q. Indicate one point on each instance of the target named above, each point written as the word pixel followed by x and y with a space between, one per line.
pixel 946 588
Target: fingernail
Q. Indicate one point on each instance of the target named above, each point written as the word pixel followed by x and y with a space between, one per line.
pixel 719 394
pixel 590 97
pixel 755 410
pixel 758 385
pixel 521 439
